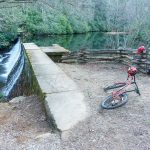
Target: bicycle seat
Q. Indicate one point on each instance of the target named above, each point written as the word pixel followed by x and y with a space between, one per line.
pixel 132 71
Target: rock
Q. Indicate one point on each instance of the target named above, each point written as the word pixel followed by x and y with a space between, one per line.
pixel 17 100
pixel 43 136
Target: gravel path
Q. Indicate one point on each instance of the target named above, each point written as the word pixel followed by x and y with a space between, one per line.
pixel 125 128
pixel 23 124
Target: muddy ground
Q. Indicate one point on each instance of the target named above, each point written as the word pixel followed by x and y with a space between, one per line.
pixel 23 123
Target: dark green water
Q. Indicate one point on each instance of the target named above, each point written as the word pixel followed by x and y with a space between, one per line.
pixel 93 40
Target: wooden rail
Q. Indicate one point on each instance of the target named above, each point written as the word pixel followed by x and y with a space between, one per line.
pixel 128 57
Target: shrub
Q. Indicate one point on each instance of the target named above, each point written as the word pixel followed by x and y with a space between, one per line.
pixel 34 22
pixel 8 32
pixel 78 25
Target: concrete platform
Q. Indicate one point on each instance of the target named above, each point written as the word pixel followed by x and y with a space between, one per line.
pixel 64 102
pixel 54 50
pixel 68 108
pixel 31 46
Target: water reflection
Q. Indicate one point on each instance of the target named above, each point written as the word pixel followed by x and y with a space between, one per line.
pixel 94 40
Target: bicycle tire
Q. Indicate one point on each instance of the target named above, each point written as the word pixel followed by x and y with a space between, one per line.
pixel 114 86
pixel 107 103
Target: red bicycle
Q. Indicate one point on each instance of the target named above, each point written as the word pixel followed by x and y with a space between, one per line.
pixel 119 97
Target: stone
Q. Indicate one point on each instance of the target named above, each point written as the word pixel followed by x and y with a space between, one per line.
pixel 17 99
pixel 43 136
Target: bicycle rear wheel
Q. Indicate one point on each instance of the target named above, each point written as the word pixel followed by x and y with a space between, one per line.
pixel 114 86
pixel 110 102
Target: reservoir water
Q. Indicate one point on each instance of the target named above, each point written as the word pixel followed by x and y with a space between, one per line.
pixel 92 40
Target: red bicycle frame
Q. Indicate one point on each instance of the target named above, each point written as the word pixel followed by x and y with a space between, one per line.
pixel 130 80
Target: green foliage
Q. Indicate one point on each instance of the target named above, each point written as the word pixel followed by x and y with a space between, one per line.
pixel 1 97
pixel 64 25
pixel 34 22
pixel 58 24
pixel 78 25
pixel 63 18
pixel 34 17
pixel 8 32
pixel 144 32
pixel 99 22
pixel 140 33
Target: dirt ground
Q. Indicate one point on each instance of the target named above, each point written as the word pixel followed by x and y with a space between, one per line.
pixel 23 123
pixel 125 128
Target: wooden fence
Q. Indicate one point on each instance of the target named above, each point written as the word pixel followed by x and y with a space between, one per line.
pixel 127 57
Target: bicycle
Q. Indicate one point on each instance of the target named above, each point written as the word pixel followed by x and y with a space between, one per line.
pixel 119 97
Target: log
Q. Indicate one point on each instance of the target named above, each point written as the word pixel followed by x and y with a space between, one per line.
pixel 127 57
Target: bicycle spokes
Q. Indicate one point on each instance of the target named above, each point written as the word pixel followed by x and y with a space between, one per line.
pixel 119 95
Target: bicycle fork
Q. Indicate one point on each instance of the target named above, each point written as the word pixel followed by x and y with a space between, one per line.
pixel 136 86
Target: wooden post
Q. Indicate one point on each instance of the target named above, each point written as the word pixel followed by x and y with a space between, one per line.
pixel 148 61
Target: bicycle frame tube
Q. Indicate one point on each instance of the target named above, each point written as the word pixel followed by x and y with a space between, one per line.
pixel 130 80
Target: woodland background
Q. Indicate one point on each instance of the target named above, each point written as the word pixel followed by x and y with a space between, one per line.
pixel 48 17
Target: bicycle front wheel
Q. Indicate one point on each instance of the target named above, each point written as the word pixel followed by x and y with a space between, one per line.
pixel 114 86
pixel 111 103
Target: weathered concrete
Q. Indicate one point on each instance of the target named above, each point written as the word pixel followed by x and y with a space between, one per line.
pixel 38 57
pixel 55 49
pixel 49 69
pixel 64 102
pixel 56 83
pixel 31 46
pixel 68 108
pixel 55 52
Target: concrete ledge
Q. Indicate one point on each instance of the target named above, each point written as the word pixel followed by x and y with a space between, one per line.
pixel 38 57
pixel 49 69
pixel 31 46
pixel 56 83
pixel 54 50
pixel 64 103
pixel 68 108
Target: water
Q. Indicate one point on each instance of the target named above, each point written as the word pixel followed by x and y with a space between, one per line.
pixel 16 75
pixel 11 66
pixel 93 40
pixel 26 83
